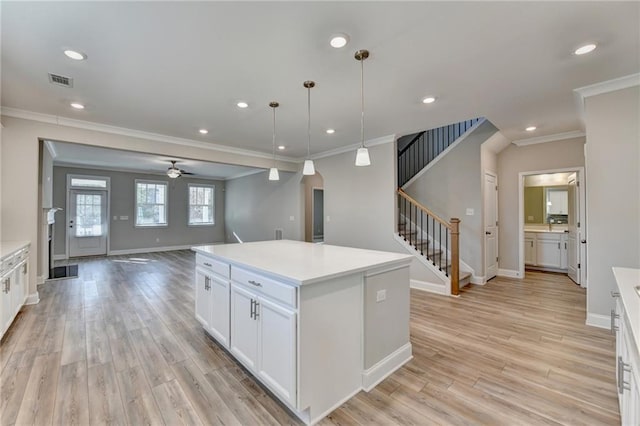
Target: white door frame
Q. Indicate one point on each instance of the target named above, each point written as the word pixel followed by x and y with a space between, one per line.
pixel 68 204
pixel 582 249
pixel 497 236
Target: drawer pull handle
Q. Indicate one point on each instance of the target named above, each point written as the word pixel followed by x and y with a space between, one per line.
pixel 207 264
pixel 257 284
pixel 614 327
pixel 615 294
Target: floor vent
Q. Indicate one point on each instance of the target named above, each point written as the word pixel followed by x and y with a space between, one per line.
pixel 278 234
pixel 60 80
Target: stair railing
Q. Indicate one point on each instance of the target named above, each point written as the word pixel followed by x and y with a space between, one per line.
pixel 426 146
pixel 432 236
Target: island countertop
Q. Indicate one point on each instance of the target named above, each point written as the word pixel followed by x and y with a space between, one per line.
pixel 300 262
pixel 10 247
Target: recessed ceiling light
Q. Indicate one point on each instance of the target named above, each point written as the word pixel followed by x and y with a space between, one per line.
pixel 587 48
pixel 429 100
pixel 281 147
pixel 531 128
pixel 77 105
pixel 203 131
pixel 75 55
pixel 339 40
pixel 242 104
pixel 330 131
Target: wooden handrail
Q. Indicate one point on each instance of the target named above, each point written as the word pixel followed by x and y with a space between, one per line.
pixel 424 209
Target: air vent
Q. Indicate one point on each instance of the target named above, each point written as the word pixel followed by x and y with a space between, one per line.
pixel 60 80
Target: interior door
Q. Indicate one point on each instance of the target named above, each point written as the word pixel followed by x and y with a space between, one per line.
pixel 490 225
pixel 573 238
pixel 87 222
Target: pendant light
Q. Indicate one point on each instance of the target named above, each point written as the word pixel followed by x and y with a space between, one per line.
pixel 362 155
pixel 273 171
pixel 308 168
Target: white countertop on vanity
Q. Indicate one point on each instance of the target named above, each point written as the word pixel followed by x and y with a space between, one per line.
pixel 628 279
pixel 300 262
pixel 9 247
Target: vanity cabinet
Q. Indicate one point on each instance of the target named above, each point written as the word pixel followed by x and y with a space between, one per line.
pixel 546 250
pixel 624 318
pixel 14 280
pixel 529 248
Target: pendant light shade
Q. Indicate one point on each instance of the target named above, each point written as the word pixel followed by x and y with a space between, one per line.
pixel 308 168
pixel 362 155
pixel 273 174
pixel 273 171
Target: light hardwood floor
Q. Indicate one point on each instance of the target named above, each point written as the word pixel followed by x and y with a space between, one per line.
pixel 120 345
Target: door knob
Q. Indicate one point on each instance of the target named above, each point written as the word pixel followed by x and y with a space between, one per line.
pixel 487 232
pixel 583 241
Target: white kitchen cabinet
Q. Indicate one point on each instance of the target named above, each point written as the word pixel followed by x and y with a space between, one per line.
pixel 563 251
pixel 7 303
pixel 529 248
pixel 623 319
pixel 244 326
pixel 203 297
pixel 212 298
pixel 219 324
pixel 14 281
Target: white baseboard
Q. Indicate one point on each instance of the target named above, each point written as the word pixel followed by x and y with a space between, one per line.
pixel 32 299
pixel 59 257
pixel 509 273
pixel 600 321
pixel 478 280
pixel 149 250
pixel 430 287
pixel 383 369
pixel 40 279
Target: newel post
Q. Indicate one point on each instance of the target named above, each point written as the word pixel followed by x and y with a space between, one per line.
pixel 455 255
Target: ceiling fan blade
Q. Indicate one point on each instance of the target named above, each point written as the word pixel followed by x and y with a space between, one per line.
pixel 186 173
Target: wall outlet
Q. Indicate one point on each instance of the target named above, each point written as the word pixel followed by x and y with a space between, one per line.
pixel 115 218
pixel 381 295
pixel 292 218
pixel 470 212
pixel 124 217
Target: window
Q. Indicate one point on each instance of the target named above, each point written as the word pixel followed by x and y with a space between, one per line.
pixel 88 183
pixel 201 205
pixel 88 215
pixel 151 203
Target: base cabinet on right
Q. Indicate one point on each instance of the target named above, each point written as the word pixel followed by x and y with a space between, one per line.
pixel 627 367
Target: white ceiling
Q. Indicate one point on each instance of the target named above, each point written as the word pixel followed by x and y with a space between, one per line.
pixel 72 154
pixel 174 67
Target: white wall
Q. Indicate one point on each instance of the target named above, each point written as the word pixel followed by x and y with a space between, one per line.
pixel 256 207
pixel 514 160
pixel 613 191
pixel 453 185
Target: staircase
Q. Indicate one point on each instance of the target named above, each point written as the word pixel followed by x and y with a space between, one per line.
pixel 433 240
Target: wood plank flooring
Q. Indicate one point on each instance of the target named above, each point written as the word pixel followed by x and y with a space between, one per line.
pixel 120 345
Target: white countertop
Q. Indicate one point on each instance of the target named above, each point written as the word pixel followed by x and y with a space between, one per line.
pixel 9 247
pixel 302 263
pixel 555 231
pixel 627 279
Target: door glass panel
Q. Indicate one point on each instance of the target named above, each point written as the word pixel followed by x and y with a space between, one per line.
pixel 88 215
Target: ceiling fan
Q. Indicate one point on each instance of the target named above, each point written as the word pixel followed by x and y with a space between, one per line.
pixel 174 172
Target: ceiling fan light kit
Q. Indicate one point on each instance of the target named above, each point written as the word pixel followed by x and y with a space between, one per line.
pixel 173 172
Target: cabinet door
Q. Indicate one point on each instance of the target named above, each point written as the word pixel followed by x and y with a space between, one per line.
pixel 7 303
pixel 563 252
pixel 244 326
pixel 219 326
pixel 548 253
pixel 203 297
pixel 277 341
pixel 18 286
pixel 529 252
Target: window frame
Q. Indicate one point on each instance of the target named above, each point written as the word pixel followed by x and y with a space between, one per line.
pixel 166 203
pixel 213 204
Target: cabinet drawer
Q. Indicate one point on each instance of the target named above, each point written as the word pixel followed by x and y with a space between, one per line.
pixel 281 292
pixel 213 265
pixel 8 263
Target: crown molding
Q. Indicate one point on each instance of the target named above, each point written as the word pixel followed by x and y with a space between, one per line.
pixel 352 147
pixel 138 171
pixel 105 128
pixel 609 86
pixel 550 138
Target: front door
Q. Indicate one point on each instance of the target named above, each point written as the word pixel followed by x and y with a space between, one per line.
pixel 87 222
pixel 573 252
pixel 491 225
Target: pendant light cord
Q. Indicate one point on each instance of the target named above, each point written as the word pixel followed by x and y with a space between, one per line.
pixel 362 102
pixel 309 122
pixel 274 136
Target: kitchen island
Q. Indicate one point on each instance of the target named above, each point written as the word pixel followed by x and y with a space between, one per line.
pixel 315 323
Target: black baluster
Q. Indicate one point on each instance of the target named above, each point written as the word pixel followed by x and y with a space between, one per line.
pixel 440 243
pixel 421 234
pixel 446 259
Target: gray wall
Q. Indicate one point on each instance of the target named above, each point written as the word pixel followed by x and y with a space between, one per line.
pixel 613 191
pixel 123 233
pixel 514 160
pixel 453 185
pixel 256 206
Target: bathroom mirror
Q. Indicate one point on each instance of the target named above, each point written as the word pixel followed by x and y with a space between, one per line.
pixel 546 204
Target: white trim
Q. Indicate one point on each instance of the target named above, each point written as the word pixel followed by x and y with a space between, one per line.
pixel 478 280
pixel 353 147
pixel 60 257
pixel 597 320
pixel 105 128
pixel 446 151
pixel 40 279
pixel 609 86
pixel 509 273
pixel 32 299
pixel 166 203
pixel 140 171
pixel 149 250
pixel 429 287
pixel 550 138
pixel 51 148
pixel 384 368
pixel 306 418
pixel 249 173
